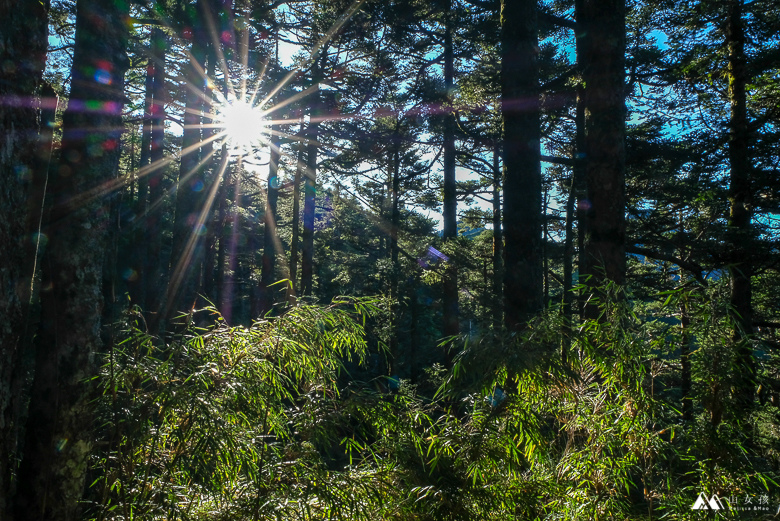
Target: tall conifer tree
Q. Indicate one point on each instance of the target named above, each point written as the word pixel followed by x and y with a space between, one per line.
pixel 522 167
pixel 59 436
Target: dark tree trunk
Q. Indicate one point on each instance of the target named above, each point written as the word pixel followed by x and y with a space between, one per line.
pixel 568 264
pixel 270 237
pixel 545 252
pixel 740 215
pixel 37 195
pixel 296 217
pixel 140 245
pixel 414 333
pixel 24 364
pixel 221 231
pixel 603 69
pixel 229 274
pixel 111 286
pixel 309 198
pixel 23 42
pixel 580 187
pixel 498 245
pixel 450 203
pixel 215 174
pixel 687 342
pixel 58 441
pixel 153 267
pixel 522 168
pixel 576 203
pixel 394 164
pixel 187 248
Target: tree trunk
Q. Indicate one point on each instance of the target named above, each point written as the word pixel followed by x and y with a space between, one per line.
pixel 215 173
pixel 37 195
pixel 270 237
pixel 58 440
pixel 603 70
pixel 580 187
pixel 140 245
pixel 450 203
pixel 568 263
pixel 296 217
pixel 187 249
pixel 576 204
pixel 221 231
pixel 545 252
pixel 153 268
pixel 394 164
pixel 23 42
pixel 740 215
pixel 687 342
pixel 309 196
pixel 522 167
pixel 498 244
pixel 227 301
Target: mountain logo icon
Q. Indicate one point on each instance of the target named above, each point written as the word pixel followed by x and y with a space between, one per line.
pixel 702 503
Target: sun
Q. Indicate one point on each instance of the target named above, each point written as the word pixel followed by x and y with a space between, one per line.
pixel 245 126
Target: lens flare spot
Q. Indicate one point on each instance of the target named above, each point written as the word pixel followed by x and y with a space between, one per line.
pixel 95 150
pixel 197 186
pixel 103 77
pixel 436 254
pixel 130 275
pixel 274 183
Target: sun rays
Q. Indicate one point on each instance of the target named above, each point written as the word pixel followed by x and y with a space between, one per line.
pixel 237 105
pixel 243 114
pixel 245 126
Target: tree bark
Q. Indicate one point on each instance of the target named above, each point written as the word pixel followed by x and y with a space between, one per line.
pixel 394 163
pixel 522 166
pixel 568 257
pixel 740 214
pixel 296 217
pixel 603 69
pixel 229 274
pixel 498 245
pixel 153 268
pixel 580 187
pixel 221 229
pixel 141 246
pixel 187 249
pixel 215 173
pixel 270 237
pixel 686 347
pixel 309 195
pixel 450 325
pixel 58 438
pixel 23 43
